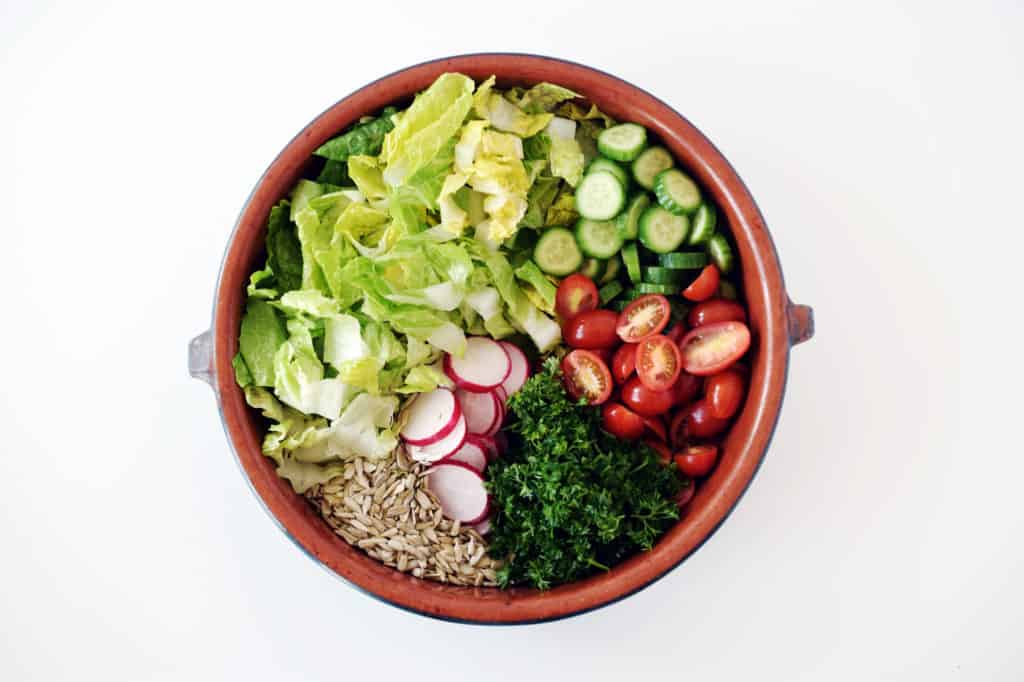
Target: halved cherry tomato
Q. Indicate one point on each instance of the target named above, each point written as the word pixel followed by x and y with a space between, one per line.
pixel 622 422
pixel 686 388
pixel 624 362
pixel 664 454
pixel 697 460
pixel 576 294
pixel 656 426
pixel 686 493
pixel 705 286
pixel 695 421
pixel 713 347
pixel 658 362
pixel 716 310
pixel 644 317
pixel 644 401
pixel 592 329
pixel 724 393
pixel 585 375
pixel 676 332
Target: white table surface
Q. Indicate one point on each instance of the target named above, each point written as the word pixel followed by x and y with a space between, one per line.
pixel 882 539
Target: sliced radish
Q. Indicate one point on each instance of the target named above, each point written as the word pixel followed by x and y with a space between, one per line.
pixel 431 417
pixel 479 408
pixel 484 527
pixel 499 416
pixel 439 450
pixel 502 394
pixel 487 443
pixel 460 491
pixel 519 370
pixel 484 365
pixel 470 453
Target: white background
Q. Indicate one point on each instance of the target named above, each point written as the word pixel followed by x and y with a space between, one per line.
pixel 882 539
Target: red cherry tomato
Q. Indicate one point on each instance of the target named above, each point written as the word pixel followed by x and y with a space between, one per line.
pixel 656 426
pixel 592 329
pixel 716 310
pixel 644 317
pixel 622 422
pixel 624 362
pixel 664 454
pixel 644 401
pixel 686 494
pixel 695 421
pixel 658 362
pixel 576 294
pixel 687 388
pixel 713 347
pixel 676 332
pixel 705 286
pixel 724 393
pixel 697 460
pixel 585 375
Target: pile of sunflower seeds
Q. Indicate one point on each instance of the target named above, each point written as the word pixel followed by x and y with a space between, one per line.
pixel 385 509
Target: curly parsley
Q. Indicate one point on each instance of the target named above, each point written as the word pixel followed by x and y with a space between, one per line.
pixel 571 499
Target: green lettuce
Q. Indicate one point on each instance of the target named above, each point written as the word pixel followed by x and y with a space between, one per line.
pixel 531 274
pixel 365 138
pixel 262 334
pixel 543 97
pixel 540 198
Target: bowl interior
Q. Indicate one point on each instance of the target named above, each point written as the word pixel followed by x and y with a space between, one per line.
pixel 743 448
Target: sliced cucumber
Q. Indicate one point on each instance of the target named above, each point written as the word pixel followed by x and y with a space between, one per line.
pixel 631 259
pixel 611 269
pixel 661 231
pixel 656 274
pixel 600 196
pixel 727 290
pixel 601 164
pixel 609 291
pixel 629 220
pixel 663 289
pixel 676 192
pixel 683 260
pixel 598 238
pixel 721 253
pixel 623 142
pixel 703 224
pixel 556 252
pixel 651 161
pixel 592 268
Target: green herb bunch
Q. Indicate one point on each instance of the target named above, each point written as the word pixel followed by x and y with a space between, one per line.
pixel 571 499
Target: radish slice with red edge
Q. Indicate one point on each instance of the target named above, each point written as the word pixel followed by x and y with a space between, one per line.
pixel 430 417
pixel 484 527
pixel 502 394
pixel 439 450
pixel 519 371
pixel 470 453
pixel 486 443
pixel 483 366
pixel 460 491
pixel 479 409
pixel 499 415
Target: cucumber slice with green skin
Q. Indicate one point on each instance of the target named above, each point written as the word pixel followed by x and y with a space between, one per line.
pixel 609 291
pixel 703 224
pixel 600 164
pixel 600 196
pixel 623 142
pixel 611 270
pixel 656 274
pixel 663 289
pixel 598 238
pixel 556 252
pixel 592 268
pixel 676 192
pixel 631 259
pixel 721 253
pixel 651 161
pixel 661 231
pixel 683 260
pixel 629 220
pixel 727 290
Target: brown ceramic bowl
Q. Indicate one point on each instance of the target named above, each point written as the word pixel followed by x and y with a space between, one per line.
pixel 775 322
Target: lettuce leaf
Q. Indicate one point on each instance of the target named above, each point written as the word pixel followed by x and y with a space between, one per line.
pixel 563 210
pixel 506 116
pixel 565 156
pixel 423 379
pixel 367 176
pixel 262 334
pixel 531 274
pixel 543 97
pixel 365 138
pixel 284 253
pixel 540 198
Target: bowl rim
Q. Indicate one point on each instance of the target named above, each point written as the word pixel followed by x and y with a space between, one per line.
pixel 777 381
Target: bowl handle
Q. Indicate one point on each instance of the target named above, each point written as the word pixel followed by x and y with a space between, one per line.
pixel 801 323
pixel 200 357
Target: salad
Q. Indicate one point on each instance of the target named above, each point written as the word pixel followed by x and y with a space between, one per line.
pixel 518 307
